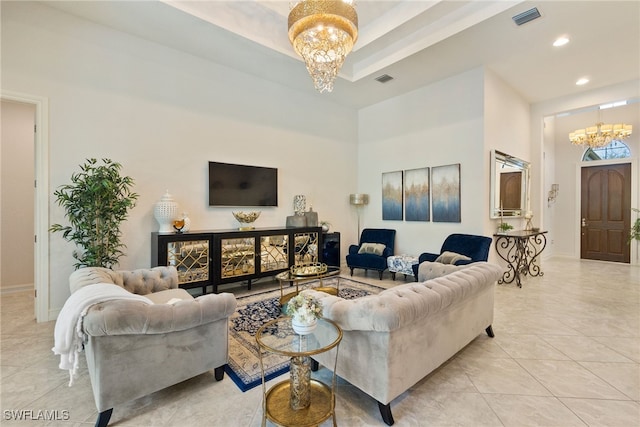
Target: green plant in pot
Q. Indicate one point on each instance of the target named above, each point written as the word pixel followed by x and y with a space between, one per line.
pixel 635 228
pixel 503 227
pixel 96 202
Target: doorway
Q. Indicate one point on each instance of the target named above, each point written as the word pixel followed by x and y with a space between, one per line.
pixel 17 197
pixel 605 212
pixel 41 212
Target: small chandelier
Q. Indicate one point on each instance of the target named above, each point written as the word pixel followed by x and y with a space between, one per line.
pixel 323 33
pixel 600 135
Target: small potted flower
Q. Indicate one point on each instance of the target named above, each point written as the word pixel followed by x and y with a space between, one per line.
pixel 504 227
pixel 305 311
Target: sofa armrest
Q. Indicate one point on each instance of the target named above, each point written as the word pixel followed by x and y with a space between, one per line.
pixel 353 249
pixel 124 317
pixel 427 256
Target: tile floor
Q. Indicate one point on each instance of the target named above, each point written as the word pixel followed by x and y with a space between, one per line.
pixel 566 353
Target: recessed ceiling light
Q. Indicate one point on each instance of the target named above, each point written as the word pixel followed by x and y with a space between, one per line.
pixel 582 81
pixel 560 41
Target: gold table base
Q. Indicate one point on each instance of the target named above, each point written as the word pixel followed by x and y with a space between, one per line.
pixel 279 409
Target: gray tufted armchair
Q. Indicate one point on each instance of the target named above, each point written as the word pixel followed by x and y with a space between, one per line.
pixel 134 349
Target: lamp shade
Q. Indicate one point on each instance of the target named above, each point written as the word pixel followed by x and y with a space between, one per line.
pixel 359 199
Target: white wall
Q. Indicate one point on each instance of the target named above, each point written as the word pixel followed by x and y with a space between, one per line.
pixel 506 118
pixel 163 114
pixel 457 120
pixel 17 196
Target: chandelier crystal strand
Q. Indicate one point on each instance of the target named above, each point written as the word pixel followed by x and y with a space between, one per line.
pixel 323 34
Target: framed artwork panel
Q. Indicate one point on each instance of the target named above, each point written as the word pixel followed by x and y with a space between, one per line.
pixel 392 195
pixel 417 205
pixel 445 181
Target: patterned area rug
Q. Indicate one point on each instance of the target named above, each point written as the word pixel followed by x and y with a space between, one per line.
pixel 255 310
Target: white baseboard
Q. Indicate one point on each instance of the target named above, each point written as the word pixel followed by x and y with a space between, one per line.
pixel 16 288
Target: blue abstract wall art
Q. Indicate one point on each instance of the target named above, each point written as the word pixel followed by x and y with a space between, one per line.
pixel 392 196
pixel 445 181
pixel 416 195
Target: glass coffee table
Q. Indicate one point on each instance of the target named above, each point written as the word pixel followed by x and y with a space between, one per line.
pixel 300 400
pixel 292 277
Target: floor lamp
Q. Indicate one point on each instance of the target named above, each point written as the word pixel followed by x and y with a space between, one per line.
pixel 359 200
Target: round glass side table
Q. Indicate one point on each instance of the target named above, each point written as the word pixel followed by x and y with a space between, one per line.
pixel 300 400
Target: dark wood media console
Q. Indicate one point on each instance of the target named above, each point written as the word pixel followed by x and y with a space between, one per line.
pixel 216 257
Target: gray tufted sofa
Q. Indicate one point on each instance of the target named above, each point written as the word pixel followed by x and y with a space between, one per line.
pixel 134 349
pixel 395 338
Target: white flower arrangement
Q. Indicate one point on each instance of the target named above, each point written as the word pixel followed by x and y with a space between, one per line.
pixel 304 308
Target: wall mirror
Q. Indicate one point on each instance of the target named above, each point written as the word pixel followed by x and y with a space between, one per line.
pixel 509 185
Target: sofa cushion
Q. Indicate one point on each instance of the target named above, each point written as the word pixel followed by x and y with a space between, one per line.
pixel 448 257
pixel 372 248
pixel 165 297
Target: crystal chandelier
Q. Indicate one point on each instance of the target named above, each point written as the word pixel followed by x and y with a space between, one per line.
pixel 600 135
pixel 323 33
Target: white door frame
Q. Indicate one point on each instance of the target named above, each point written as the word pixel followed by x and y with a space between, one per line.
pixel 41 214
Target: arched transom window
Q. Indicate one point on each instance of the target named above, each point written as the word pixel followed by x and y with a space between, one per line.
pixel 614 150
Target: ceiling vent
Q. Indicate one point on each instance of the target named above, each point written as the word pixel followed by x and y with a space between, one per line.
pixel 526 16
pixel 384 78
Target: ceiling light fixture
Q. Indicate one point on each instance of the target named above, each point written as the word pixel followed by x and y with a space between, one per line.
pixel 560 41
pixel 582 81
pixel 323 33
pixel 601 134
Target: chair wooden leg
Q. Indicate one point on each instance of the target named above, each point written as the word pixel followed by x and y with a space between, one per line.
pixel 218 373
pixel 380 273
pixel 351 270
pixel 314 365
pixel 103 418
pixel 385 411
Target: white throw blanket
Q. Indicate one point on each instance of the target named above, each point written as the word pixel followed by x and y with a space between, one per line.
pixel 68 333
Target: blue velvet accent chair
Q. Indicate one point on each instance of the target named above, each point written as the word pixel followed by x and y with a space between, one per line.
pixel 369 253
pixel 475 247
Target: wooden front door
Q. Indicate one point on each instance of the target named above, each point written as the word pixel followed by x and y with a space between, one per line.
pixel 606 212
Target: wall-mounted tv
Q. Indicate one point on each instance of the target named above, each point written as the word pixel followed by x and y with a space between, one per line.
pixel 241 185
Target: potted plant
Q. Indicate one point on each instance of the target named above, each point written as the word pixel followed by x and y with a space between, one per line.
pixel 96 202
pixel 504 227
pixel 635 228
pixel 305 311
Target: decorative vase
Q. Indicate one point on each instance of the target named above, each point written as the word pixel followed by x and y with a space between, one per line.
pixel 325 227
pixel 302 328
pixel 299 204
pixel 187 222
pixel 246 219
pixel 165 211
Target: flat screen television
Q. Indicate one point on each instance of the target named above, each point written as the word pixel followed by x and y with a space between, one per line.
pixel 242 185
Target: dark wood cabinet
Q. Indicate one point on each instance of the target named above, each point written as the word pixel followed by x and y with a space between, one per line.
pixel 212 258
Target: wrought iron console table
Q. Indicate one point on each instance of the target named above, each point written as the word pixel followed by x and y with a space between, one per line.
pixel 520 249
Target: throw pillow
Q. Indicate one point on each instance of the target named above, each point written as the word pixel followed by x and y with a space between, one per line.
pixel 447 257
pixel 372 248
